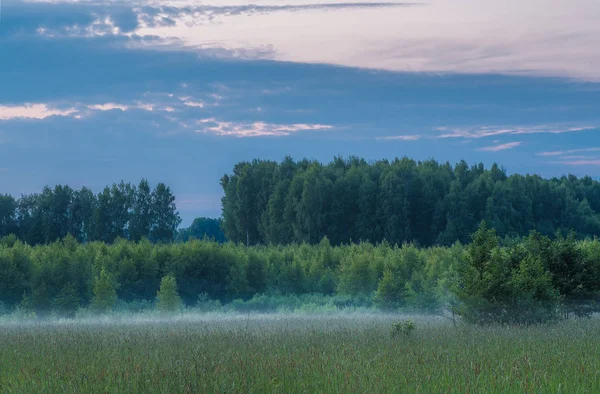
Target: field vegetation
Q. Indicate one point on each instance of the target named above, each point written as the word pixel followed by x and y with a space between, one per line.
pixel 349 353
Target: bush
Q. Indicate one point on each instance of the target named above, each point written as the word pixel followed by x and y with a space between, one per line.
pixel 404 328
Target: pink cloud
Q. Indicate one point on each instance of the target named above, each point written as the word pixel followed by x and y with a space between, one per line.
pixel 497 148
pixel 32 111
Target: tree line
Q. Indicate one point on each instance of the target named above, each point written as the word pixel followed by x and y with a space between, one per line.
pixel 122 210
pixel 527 280
pixel 428 203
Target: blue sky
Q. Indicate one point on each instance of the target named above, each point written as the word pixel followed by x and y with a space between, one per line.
pixel 92 92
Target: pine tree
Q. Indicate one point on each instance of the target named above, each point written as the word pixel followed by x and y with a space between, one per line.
pixel 168 299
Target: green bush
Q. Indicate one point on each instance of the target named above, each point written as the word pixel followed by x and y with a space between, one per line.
pixel 404 328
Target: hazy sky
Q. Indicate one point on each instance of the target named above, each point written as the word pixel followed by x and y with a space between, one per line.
pixel 92 92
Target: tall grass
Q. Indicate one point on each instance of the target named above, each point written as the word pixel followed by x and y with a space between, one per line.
pixel 237 353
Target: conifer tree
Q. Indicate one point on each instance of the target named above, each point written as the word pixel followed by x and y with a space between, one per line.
pixel 168 299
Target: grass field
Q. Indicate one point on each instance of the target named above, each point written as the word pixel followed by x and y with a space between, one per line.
pixel 352 353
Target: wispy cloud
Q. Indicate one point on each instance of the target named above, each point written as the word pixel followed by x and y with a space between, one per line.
pixel 108 107
pixel 568 152
pixel 100 27
pixel 578 162
pixel 497 148
pixel 413 137
pixel 32 111
pixel 168 16
pixel 256 129
pixel 491 131
pixel 190 103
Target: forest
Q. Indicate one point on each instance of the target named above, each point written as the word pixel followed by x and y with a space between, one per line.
pixel 401 235
pixel 122 211
pixel 426 203
pixel 534 279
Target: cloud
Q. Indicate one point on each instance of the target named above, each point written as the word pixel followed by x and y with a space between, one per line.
pixel 579 157
pixel 153 16
pixel 437 37
pixel 497 148
pixel 256 129
pixel 99 27
pixel 413 137
pixel 108 107
pixel 491 131
pixel 568 152
pixel 32 111
pixel 42 111
pixel 578 162
pixel 197 104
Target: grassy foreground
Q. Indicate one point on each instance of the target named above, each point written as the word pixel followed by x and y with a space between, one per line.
pixel 352 353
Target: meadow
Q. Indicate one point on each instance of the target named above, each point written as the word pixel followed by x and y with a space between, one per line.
pixel 295 353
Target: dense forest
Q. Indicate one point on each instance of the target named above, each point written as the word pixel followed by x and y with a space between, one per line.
pixel 120 211
pixel 532 279
pixel 428 203
pixel 402 234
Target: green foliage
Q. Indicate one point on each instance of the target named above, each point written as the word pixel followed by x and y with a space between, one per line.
pixel 167 298
pixel 499 285
pixel 67 301
pixel 391 292
pixel 520 282
pixel 165 216
pixel 404 328
pixel 401 201
pixel 118 211
pixel 203 228
pixel 105 293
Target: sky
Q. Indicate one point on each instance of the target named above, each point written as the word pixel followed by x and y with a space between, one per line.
pixel 94 92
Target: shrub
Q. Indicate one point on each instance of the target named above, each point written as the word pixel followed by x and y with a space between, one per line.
pixel 405 328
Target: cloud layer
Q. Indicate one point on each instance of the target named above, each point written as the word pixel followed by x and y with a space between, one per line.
pixel 458 36
pixel 97 91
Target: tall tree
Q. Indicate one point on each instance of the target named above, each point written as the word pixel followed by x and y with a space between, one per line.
pixel 166 218
pixel 8 215
pixel 141 215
